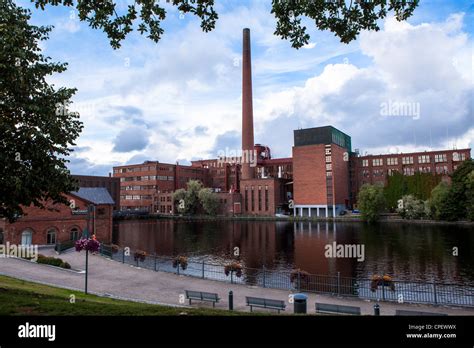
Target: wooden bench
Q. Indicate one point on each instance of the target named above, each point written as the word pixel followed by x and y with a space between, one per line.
pixel 202 296
pixel 265 303
pixel 416 313
pixel 338 309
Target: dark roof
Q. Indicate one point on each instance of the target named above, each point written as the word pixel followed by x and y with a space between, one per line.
pixel 96 195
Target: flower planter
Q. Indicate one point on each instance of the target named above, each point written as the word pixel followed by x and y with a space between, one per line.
pixel 139 255
pixel 378 280
pixel 180 261
pixel 233 267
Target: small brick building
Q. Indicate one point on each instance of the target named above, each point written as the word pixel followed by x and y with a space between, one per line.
pixel 89 208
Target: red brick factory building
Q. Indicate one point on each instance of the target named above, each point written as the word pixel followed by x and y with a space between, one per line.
pixel 89 208
pixel 321 178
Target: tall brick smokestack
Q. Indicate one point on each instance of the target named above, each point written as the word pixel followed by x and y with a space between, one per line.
pixel 247 108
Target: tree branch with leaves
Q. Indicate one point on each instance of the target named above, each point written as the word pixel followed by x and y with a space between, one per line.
pixel 346 19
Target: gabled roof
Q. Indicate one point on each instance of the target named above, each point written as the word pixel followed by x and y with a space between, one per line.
pixel 96 195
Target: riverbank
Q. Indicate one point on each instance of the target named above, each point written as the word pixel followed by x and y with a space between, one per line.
pixel 109 278
pixel 386 218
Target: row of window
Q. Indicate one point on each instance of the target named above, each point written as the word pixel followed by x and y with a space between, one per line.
pixel 252 198
pixel 51 235
pixel 393 161
pixel 406 171
pixel 142 169
pixel 138 187
pixel 164 209
pixel 134 197
pixel 147 178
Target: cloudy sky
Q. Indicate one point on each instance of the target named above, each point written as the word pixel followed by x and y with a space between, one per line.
pixel 407 87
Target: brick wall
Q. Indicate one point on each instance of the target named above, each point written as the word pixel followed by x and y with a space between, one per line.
pixel 62 220
pixel 309 174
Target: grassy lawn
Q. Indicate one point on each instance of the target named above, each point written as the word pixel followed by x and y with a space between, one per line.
pixel 18 297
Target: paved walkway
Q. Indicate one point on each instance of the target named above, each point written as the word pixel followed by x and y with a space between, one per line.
pixel 107 277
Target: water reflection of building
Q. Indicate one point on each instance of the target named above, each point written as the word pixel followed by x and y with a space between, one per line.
pixel 311 239
pixel 407 252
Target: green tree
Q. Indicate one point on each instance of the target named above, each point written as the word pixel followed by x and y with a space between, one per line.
pixel 36 130
pixel 187 201
pixel 179 200
pixel 457 198
pixel 470 196
pixel 209 201
pixel 438 200
pixel 411 208
pixel 192 196
pixel 457 202
pixel 371 202
pixel 344 19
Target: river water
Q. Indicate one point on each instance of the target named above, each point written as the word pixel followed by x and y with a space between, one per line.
pixel 413 252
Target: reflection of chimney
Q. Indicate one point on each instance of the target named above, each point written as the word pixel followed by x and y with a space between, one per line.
pixel 247 109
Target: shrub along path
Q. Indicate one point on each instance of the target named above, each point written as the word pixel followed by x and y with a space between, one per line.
pixel 107 277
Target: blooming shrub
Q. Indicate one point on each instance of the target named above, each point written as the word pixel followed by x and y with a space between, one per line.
pixel 91 245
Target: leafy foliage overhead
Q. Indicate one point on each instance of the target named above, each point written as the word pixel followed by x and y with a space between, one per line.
pixel 344 18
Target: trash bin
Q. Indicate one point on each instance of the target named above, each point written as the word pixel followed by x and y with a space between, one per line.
pixel 300 303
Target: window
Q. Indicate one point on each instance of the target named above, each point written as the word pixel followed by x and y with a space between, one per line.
pixel 252 198
pixel 459 156
pixel 328 159
pixel 377 162
pixel 441 158
pixel 365 173
pixel 328 151
pixel 365 163
pixel 408 171
pixel 425 169
pixel 407 160
pixel 51 236
pixel 74 234
pixel 26 237
pixel 378 172
pixel 246 198
pixel 393 161
pixel 266 197
pixel 260 198
pixel 392 171
pixel 424 159
pixel 328 174
pixel 328 166
pixel 442 169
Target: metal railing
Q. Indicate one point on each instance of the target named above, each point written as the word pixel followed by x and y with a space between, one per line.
pixel 398 291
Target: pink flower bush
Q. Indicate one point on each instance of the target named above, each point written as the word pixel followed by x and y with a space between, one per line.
pixel 91 245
